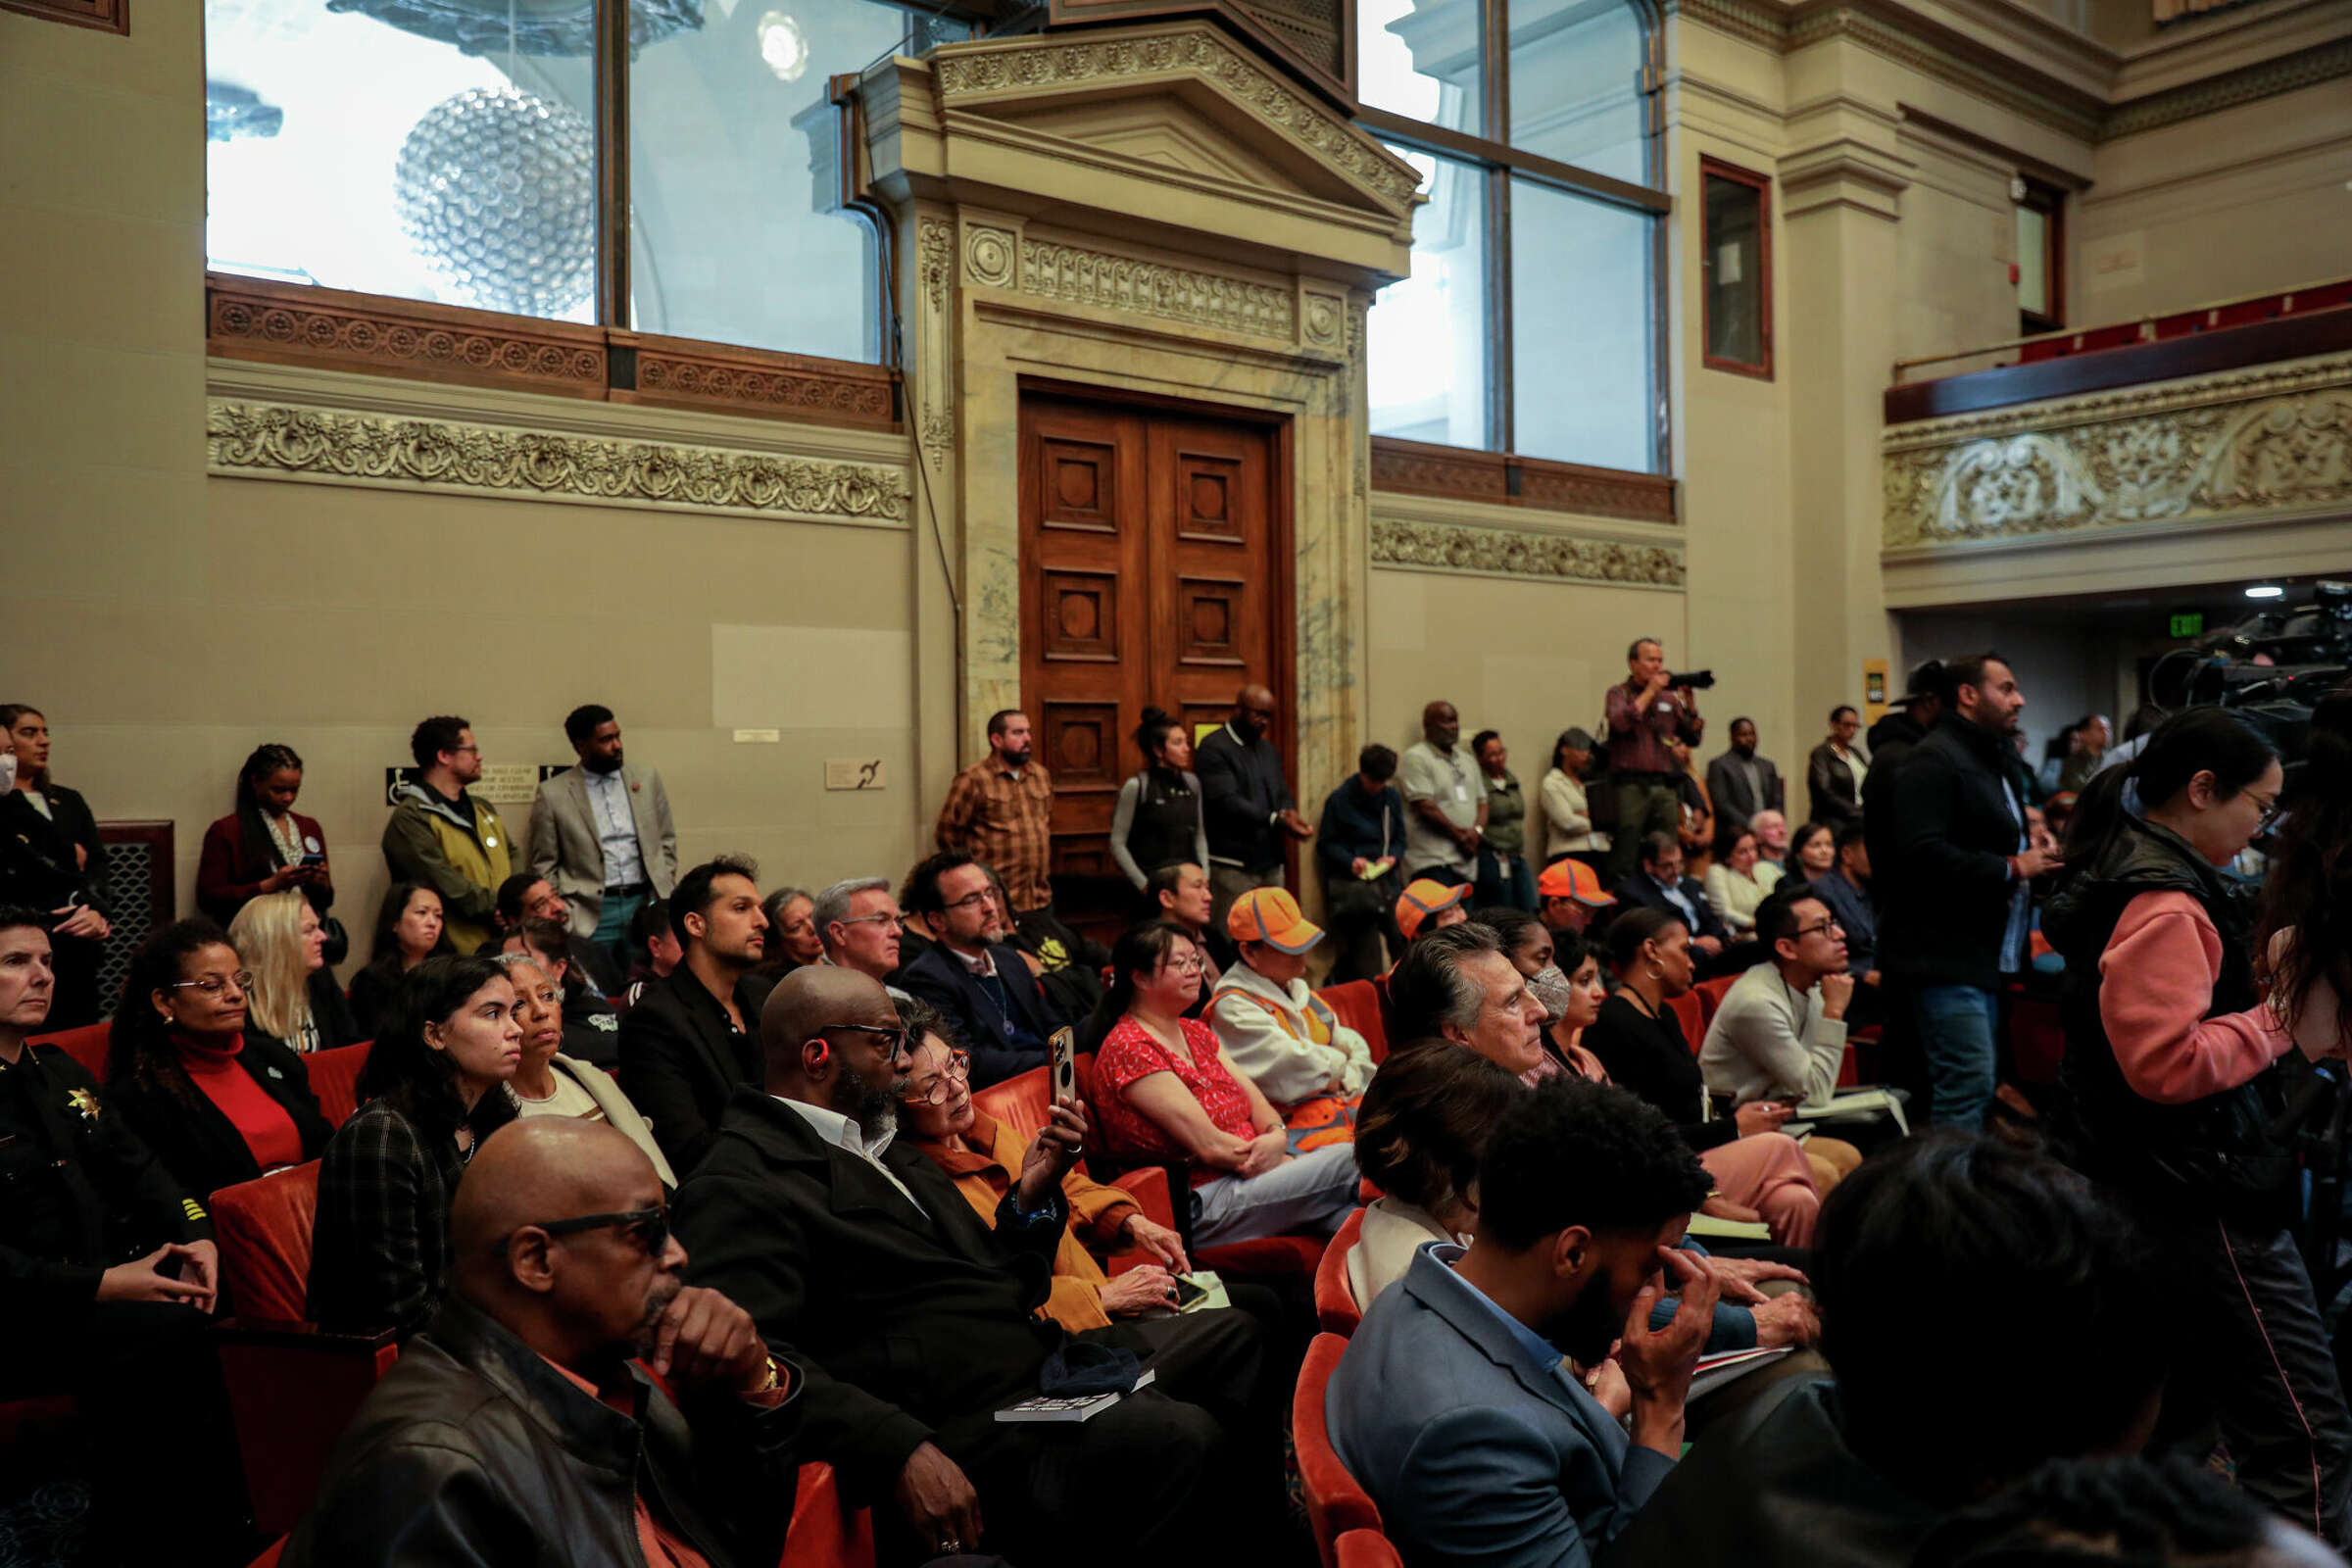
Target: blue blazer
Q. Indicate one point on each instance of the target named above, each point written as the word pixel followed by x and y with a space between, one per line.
pixel 1477 1449
pixel 940 978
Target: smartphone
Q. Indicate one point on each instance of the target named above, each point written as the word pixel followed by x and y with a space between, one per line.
pixel 1186 1293
pixel 311 859
pixel 1063 1048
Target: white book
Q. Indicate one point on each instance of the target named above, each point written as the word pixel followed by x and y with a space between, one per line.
pixel 1042 1408
pixel 1714 1371
pixel 1857 1102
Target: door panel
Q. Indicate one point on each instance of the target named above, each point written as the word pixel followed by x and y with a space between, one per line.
pixel 1149 576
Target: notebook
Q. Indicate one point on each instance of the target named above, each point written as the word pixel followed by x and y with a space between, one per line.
pixel 1044 1408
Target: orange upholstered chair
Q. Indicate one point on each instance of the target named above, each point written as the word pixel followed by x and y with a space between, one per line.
pixel 825 1530
pixel 1692 1014
pixel 1711 995
pixel 86 1045
pixel 1337 1309
pixel 1356 1004
pixel 1367 1548
pixel 1021 1102
pixel 1335 1503
pixel 292 1387
pixel 335 1080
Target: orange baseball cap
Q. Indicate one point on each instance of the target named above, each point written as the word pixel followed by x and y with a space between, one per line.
pixel 1271 916
pixel 1422 898
pixel 1573 879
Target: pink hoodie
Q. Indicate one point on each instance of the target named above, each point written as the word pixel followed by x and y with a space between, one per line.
pixel 2157 975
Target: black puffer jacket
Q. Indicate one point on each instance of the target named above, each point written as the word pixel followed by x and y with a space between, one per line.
pixel 2228 1153
pixel 1945 886
pixel 474 1450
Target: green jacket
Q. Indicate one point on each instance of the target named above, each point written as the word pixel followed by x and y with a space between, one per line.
pixel 458 849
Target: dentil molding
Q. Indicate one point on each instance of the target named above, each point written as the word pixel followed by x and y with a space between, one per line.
pixel 253 440
pixel 1471 550
pixel 2246 444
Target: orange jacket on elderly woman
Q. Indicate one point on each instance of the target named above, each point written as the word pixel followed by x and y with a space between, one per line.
pixel 1096 1213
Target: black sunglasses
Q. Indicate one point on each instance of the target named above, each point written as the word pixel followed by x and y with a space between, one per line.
pixel 653 1224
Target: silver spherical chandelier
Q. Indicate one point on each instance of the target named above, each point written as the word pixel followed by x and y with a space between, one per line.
pixel 496 191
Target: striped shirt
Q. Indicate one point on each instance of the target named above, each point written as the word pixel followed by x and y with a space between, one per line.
pixel 1004 821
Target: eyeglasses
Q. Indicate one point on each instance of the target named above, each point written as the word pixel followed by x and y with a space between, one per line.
pixel 1804 931
pixel 973 901
pixel 211 985
pixel 943 1088
pixel 899 1038
pixel 651 1224
pixel 2272 810
pixel 856 919
pixel 1190 965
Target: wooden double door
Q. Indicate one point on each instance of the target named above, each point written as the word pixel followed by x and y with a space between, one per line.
pixel 1155 573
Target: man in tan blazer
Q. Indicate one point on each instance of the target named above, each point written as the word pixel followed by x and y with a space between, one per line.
pixel 601 832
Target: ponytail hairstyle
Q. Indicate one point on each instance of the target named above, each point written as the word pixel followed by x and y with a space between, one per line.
pixel 261 848
pixel 1152 733
pixel 2308 889
pixel 2193 741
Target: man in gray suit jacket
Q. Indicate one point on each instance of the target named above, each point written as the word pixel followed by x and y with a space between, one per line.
pixel 1740 783
pixel 1453 1406
pixel 600 833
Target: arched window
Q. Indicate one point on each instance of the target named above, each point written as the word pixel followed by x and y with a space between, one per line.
pixel 1533 323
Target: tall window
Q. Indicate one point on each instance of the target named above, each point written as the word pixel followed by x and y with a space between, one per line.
pixel 465 155
pixel 1736 267
pixel 2040 256
pixel 1530 324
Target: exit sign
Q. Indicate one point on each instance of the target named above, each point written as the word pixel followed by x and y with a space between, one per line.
pixel 2188 623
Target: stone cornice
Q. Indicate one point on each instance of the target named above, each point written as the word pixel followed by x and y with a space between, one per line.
pixel 265 440
pixel 2255 445
pixel 1489 550
pixel 972 74
pixel 2007 80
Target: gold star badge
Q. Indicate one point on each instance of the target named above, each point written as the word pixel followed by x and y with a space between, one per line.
pixel 83 1101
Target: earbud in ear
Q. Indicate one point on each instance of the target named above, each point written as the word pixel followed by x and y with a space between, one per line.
pixel 824 1054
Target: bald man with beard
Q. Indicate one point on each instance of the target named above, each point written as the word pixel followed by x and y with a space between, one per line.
pixel 507 1430
pixel 1245 807
pixel 911 1322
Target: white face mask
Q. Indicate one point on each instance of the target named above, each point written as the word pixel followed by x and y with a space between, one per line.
pixel 1552 988
pixel 8 771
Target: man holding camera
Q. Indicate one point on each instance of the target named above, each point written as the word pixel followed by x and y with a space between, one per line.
pixel 1646 714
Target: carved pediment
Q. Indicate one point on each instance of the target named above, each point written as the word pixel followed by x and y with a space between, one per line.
pixel 1183 97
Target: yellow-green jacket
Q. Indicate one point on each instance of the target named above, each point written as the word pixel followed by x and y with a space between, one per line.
pixel 459 849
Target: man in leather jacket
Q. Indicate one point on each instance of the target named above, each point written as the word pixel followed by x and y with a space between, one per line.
pixel 511 1428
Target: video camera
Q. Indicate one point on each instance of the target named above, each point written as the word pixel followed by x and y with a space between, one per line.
pixel 2272 668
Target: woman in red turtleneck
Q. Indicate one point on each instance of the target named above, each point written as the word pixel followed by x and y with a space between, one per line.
pixel 217 1105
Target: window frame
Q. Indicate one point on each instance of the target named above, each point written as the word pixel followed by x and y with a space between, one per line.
pixel 1500 161
pixel 1712 168
pixel 612 335
pixel 2049 200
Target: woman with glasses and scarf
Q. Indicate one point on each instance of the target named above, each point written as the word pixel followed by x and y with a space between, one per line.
pixel 548 1083
pixel 217 1102
pixel 2180 1071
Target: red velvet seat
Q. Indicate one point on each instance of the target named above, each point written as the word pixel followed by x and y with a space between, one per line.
pixel 335 1080
pixel 1336 1310
pixel 86 1045
pixel 1335 1504
pixel 1367 1548
pixel 1692 1014
pixel 1711 995
pixel 1021 1102
pixel 1356 1004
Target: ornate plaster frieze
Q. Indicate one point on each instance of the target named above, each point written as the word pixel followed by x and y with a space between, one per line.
pixel 1894 32
pixel 990 67
pixel 278 441
pixel 257 319
pixel 1475 550
pixel 2245 444
pixel 1076 275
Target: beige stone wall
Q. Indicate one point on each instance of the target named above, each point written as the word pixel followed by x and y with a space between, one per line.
pixel 168 622
pixel 2246 201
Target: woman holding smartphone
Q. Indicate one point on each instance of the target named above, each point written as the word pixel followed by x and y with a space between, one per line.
pixel 2180 1069
pixel 264 846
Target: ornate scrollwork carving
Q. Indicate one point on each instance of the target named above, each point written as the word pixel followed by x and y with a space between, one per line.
pixel 2190 459
pixel 981 69
pixel 255 440
pixel 1154 289
pixel 1508 553
pixel 935 246
pixel 254 319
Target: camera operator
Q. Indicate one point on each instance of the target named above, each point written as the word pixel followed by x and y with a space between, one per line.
pixel 2176 1067
pixel 1646 714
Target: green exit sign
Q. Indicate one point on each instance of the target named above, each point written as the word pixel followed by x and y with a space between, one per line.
pixel 2188 623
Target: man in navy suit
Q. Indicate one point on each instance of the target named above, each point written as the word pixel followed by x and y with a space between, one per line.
pixel 984 988
pixel 1455 1407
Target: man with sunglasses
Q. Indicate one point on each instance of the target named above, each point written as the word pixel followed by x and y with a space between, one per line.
pixel 912 1322
pixel 502 1430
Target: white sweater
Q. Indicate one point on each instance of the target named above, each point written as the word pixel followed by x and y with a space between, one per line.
pixel 1770 1042
pixel 1263 1031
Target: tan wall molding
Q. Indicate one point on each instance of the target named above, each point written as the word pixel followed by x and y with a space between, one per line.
pixel 1422 544
pixel 976 71
pixel 2244 86
pixel 253 440
pixel 2247 445
pixel 1076 274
